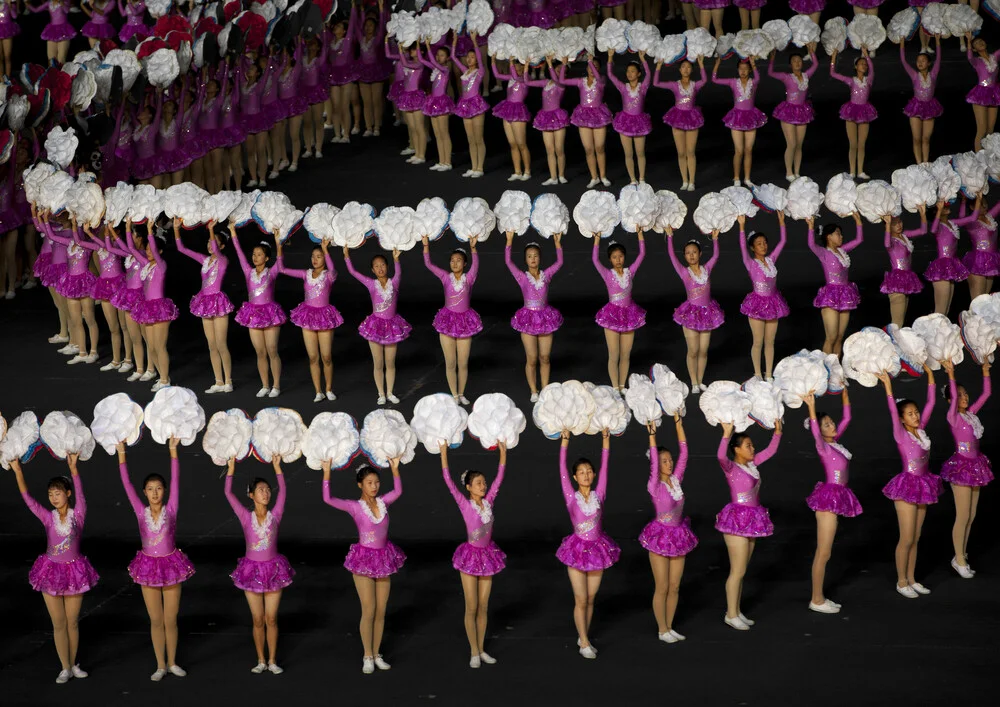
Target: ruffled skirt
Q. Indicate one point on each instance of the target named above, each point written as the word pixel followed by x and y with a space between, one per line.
pixel 324 318
pixel 164 571
pixel 384 330
pixel 126 298
pixel 137 30
pixel 745 120
pixel 745 521
pixel 409 101
pixel 42 263
pixel 711 4
pixel 53 273
pixel 262 577
pixel 621 318
pixel 254 123
pixel 699 317
pixel 260 316
pixel 512 112
pixel 902 282
pixel 684 118
pixel 925 110
pixel 947 268
pixel 806 7
pixel 984 263
pixel 858 112
pixel 471 106
pixel 435 106
pixel 865 4
pixel 62 32
pixel 592 117
pixel 342 75
pixel 842 298
pixel 372 562
pixel 98 30
pixel 794 113
pixel 479 561
pixel 668 540
pixel 62 578
pixel 588 555
pixel 551 120
pixel 319 93
pixel 914 488
pixel 764 307
pixel 632 124
pixel 834 498
pixel 457 325
pixel 210 305
pixel 294 106
pixel 750 4
pixel 77 286
pixel 9 29
pixel 537 322
pixel 984 96
pixel 963 471
pixel 154 311
pixel 106 287
pixel 374 72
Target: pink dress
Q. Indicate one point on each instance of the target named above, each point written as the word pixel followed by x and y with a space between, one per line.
pixel 744 115
pixel 915 484
pixel 832 495
pixel 699 312
pixel 134 25
pixel 986 91
pixel 512 108
pixel 669 534
pixel 211 301
pixel 901 279
pixel 858 109
pixel 8 20
pixel 438 102
pixel 591 112
pixel 383 326
pixel 373 556
pixel 159 563
pixel 456 319
pixel 98 27
pixel 765 302
pixel 315 313
pixel 372 64
pixel 743 515
pixel 839 292
pixel 111 279
pixel 946 266
pixel 806 7
pixel 589 548
pixel 478 556
pixel 967 466
pixel 552 117
pixel 260 311
pixel 343 67
pixel 631 121
pixel 923 105
pixel 77 282
pixel 263 569
pixel 470 101
pixel 685 114
pixel 796 108
pixel 620 314
pixel 411 96
pixel 58 29
pixel 537 317
pixel 131 295
pixel 154 307
pixel 983 259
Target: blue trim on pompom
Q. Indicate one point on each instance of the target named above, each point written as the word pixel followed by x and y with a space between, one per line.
pixel 33 450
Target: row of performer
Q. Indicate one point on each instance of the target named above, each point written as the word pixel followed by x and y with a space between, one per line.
pixel 63 575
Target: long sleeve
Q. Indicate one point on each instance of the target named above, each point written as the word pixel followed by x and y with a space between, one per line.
pixel 397 491
pixel 715 256
pixel 839 77
pixel 499 75
pixel 567 487
pixel 859 238
pixel 680 466
pixel 654 471
pixel 151 240
pixel 474 269
pixel 556 266
pixel 340 504
pixel 925 416
pixel 130 245
pixel 910 71
pixel 133 497
pixel 747 260
pixel 657 83
pixel 983 397
pixel 894 418
pixel 173 503
pixel 769 451
pixel 438 272
pixel 244 265
pixel 510 264
pixel 952 415
pixel 279 502
pixel 80 507
pixel 491 495
pixel 995 210
pixel 965 220
pixel 844 421
pixel 279 267
pixel 871 71
pixel 814 246
pixel 449 482
pixel 602 477
pixel 782 240
pixel 673 258
pixel 720 454
pixel 596 259
pixel 615 81
pixel 238 508
pixel 184 250
pixel 44 516
pixel 647 77
pixel 817 437
pixel 639 258
pixel 917 232
pixel 355 274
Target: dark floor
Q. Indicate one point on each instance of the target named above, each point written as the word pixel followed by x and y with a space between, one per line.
pixel 880 649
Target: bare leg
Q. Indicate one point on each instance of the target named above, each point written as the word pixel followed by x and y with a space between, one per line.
pixel 326 355
pixel 757 327
pixel 600 138
pixel 897 308
pixel 640 156
pixel 271 343
pixel 661 581
pixel 271 602
pixel 629 166
pixel 521 138
pixel 470 589
pixel 382 587
pixel 911 560
pixel 530 344
pixel 625 353
pixel 612 338
pixel 545 357
pixel 737 136
pixel 704 338
pixel 57 613
pixel 260 348
pixel 111 317
pixel 693 342
pixel 208 326
pixel 749 138
pixel 674 589
pixel 852 149
pixel 312 351
pixel 906 515
pixel 963 512
pixel 831 323
pixel 171 607
pixel 862 139
pixel 390 368
pixel 800 141
pixel 680 144
pixel 788 130
pixel 256 602
pixel 770 332
pixel 826 530
pixel 943 290
pixel 587 138
pixel 449 348
pixel 515 154
pixel 916 133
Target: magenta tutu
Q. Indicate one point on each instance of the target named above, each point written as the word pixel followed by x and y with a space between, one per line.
pixel 984 95
pixel 834 498
pixel 315 94
pixel 764 307
pixel 750 119
pixel 632 125
pixel 479 561
pixel 536 322
pixel 698 317
pixel 209 306
pixel 858 112
pixel 865 4
pixel 292 107
pixel 42 262
pixel 621 318
pixel 794 113
pixel 963 471
pixel 342 75
pixel 62 32
pixel 750 4
pixel 843 298
pixel 262 577
pixel 324 318
pixel 411 101
pixel 745 521
pixel 925 110
pixel 592 117
pixel 551 120
pixel 380 330
pixel 106 287
pixel 611 3
pixel 807 7
pixel 684 119
pixel 77 286
pixel 512 112
pixel 53 273
pixel 98 30
pixel 668 540
pixel 457 325
pixel 9 29
pixel 125 299
pixel 711 4
pixel 471 106
pixel 376 72
pixel 903 282
pixel 394 90
pixel 138 31
pixel 588 555
pixel 256 122
pixel 438 105
pixel 374 563
pixel 982 262
pixel 154 311
pixel 914 488
pixel 946 268
pixel 260 316
pixel 148 167
pixel 164 571
pixel 62 579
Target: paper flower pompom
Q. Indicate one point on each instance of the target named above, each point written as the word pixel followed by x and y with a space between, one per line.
pixel 671 392
pixel 916 186
pixel 54 191
pixel 611 36
pixel 742 200
pixel 501 41
pixel 765 402
pixel 641 398
pixel 988 307
pixel 564 406
pixel 837 383
pixel 597 213
pixel 869 353
pixel 395 227
pixel 22 436
pixel 185 201
pixel 932 19
pixel 227 436
pixel 670 49
pixel 220 206
pixel 472 218
pixel 438 419
pixel 804 30
pixel 770 197
pixel 670 211
pixel 513 212
pixel 841 195
pixel 243 214
pixel 130 65
pixel 971 171
pixel 158 8
pixel 804 199
pixel 903 25
pixel 174 412
pixel 962 20
pixel 726 402
pixel 61 145
pixel 715 212
pixel 277 432
pixel 479 17
pixel 117 200
pixel 753 43
pixel 162 67
pixel 386 435
pixel 866 31
pixel 724 46
pixel 642 37
pixel 638 206
pixel 495 419
pixel 117 418
pixel 319 222
pixel 910 346
pixel 610 411
pixel 353 224
pixel 979 337
pixel 948 181
pixel 83 90
pixel 799 375
pixel 146 205
pixel 432 218
pixel 33 178
pixel 332 437
pixel 834 36
pixel 700 43
pixel 877 199
pixel 779 32
pixel 64 433
pixel 85 200
pixel 549 216
pixel 943 338
pixel 275 214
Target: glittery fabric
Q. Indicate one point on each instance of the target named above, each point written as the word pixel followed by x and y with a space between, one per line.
pixel 260 316
pixel 373 73
pixel 858 112
pixel 537 322
pixel 750 4
pixel 925 110
pixel 62 578
pixel 903 282
pixel 806 7
pixel 61 32
pixel 794 113
pixel 106 287
pixel 210 305
pixel 163 571
pixel 98 30
pixel 684 118
pixel 588 555
pixel 262 577
pixel 745 521
pixel 77 286
pixel 324 318
pixel 409 101
pixel 458 325
pixel 42 263
pixel 551 120
pixel 125 299
pixel 52 274
pixel 134 28
pixel 592 117
pixel 982 262
pixel 865 4
pixel 154 311
pixel 668 540
pixel 746 119
pixel 479 561
pixel 965 471
pixel 341 75
pixel 512 111
pixel 984 95
pixel 316 94
pixel 375 563
pixel 384 331
pixel 438 105
pixel 946 268
pixel 699 317
pixel 842 298
pixel 834 498
pixel 471 106
pixel 764 307
pixel 632 124
pixel 711 4
pixel 621 318
pixel 914 488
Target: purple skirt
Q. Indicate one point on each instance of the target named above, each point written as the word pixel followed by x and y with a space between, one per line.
pixel 9 29
pixel 610 3
pixel 42 263
pixel 807 7
pixel 592 117
pixel 386 331
pixel 148 167
pixel 984 263
pixel 963 471
pixel 865 4
pixel 292 107
pixel 438 105
pixel 834 498
pixel 154 311
pixel 745 521
pixel 914 488
pixel 512 112
pixel 375 72
pixel 324 318
pixel 621 318
pixel 794 113
pixel 256 122
pixel 925 110
pixel 920 3
pixel 106 287
pixel 342 75
pixel 98 30
pixel 164 571
pixel 471 106
pixel 77 286
pixel 372 562
pixel 668 540
pixel 209 306
pixel 632 125
pixel 319 93
pixel 537 322
pixel 750 4
pixel 126 298
pixel 138 31
pixel 588 555
pixel 410 101
pixel 62 579
pixel 551 120
pixel 984 96
pixel 53 273
pixel 457 325
pixel 946 268
pixel 842 298
pixel 684 118
pixel 260 316
pixel 901 282
pixel 711 4
pixel 262 577
pixel 62 32
pixel 699 317
pixel 394 90
pixel 764 307
pixel 479 561
pixel 744 120
pixel 858 112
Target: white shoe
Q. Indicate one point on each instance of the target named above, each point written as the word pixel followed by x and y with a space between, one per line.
pixel 745 620
pixel 419 160
pixel 964 571
pixel 436 167
pixel 487 658
pixel 319 155
pixel 684 186
pixel 355 130
pixel 593 183
pixel 605 181
pixel 862 175
pixel 477 174
pixel 678 636
pixel 907 591
pixel 177 670
pixel 695 389
pixel 412 160
pixel 408 151
pixel 827 607
pixel 368 133
pixel 160 385
pixel 737 623
pixel 514 177
pixel 462 399
pixel 77 359
pixel 445 168
pixel 227 388
pixel 736 183
pixel 397 123
pixel 526 176
pixel 667 637
pixel 251 184
pixel 9 295
pixel 29 285
pixel 468 172
pixel 307 154
pixel 563 180
pixel 148 376
pixel 275 392
pixel 263 182
pixel 78 672
pixel 69 350
pixel 588 652
pixel 790 177
pixel 474 661
pixel 392 399
pixel 134 377
pixel 293 167
pixel 258 669
pixel 262 393
pixel 58 339
pixel 381 664
pixel 158 675
pixel 534 397
pixel 550 181
pixel 282 166
pixel 273 174
pixel 319 398
pixel 691 186
pixel 275 669
pixel 113 366
pixel 919 588
pixel 125 367
pixel 64 676
pixel 216 388
pixel 748 184
pixel 368 665
pixel 330 396
pixel 381 400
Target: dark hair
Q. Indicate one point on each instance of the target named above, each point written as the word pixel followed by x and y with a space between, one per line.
pixel 744 62
pixel 254 483
pixel 636 64
pixel 470 475
pixel 946 390
pixel 265 247
pixel 736 441
pixel 793 55
pixel 693 242
pixel 532 246
pixel 580 462
pixel 461 251
pixel 686 61
pixel 859 60
pixel 754 235
pixel 60 482
pixel 378 256
pixel 154 477
pixel 364 471
pixel 315 248
pixel 904 403
pixel 613 246
pixel 820 414
pixel 826 230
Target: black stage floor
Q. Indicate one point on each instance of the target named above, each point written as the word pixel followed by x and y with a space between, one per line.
pixel 880 648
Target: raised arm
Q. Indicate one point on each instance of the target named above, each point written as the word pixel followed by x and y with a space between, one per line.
pixel 474 268
pixel 616 82
pixel 845 420
pixel 238 508
pixel 673 256
pixel 491 495
pixel 724 461
pixel 838 76
pixel 910 71
pixel 133 497
pixel 715 254
pixel 639 258
pixel 602 478
pixel 438 272
pixel 497 73
pixel 556 266
pixel 184 250
pixel 448 481
pixel 983 397
pixel 279 502
pixel 654 467
pixel 925 416
pixel 596 258
pixel 510 264
pixel 244 265
pixel 647 77
pixel 815 247
pixel 130 245
pixel 567 486
pixel 782 239
pixel 771 448
pixel 747 260
pixel 859 237
pixel 397 487
pixel 341 504
pixel 354 273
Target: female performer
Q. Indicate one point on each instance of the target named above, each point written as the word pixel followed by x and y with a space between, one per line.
pixel 745 118
pixel 343 74
pixel 97 27
pixel 632 124
pixel 125 298
pixel 410 101
pixel 685 118
pixel 159 567
pixel 76 287
pixel 796 111
pixel 985 96
pixel 133 12
pixel 373 559
pixel 479 558
pixel 901 282
pixel 154 312
pixel 110 281
pixel 764 306
pixel 8 30
pixel 515 116
pixel 923 108
pixel 710 12
pixel 945 270
pixel 839 295
pixel 551 121
pixel 983 262
pixel 471 107
pixel 857 113
pixel 313 88
pixel 373 69
pixel 438 106
pixel 58 32
pixel 620 317
pixel 592 117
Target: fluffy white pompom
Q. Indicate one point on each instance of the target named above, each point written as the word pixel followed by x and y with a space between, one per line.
pixel 671 391
pixel 799 375
pixel 933 20
pixel 55 190
pixel 877 199
pixel 944 339
pixel 472 218
pixel 117 200
pixel 147 203
pixel 386 435
pixel 353 224
pixel 638 206
pixel 948 181
pixel 916 186
pixel 642 37
pixel 85 200
pixel 725 401
pixel 275 213
pixel 219 207
pixel 395 227
pixel 432 217
pixel 243 214
pixel 834 36
pixel 495 419
pixel 569 41
pixel 403 26
pixel 991 161
pixel 227 436
pixel 765 402
pixel 724 45
pixel 117 418
pixel 162 67
pixel 715 212
pixel 869 353
pixel 671 211
pixel 779 32
pixel 641 398
pixel 902 25
pixel 549 216
pixel 33 178
pixel 513 212
pixel 979 337
pixel 501 41
pixel 971 171
pixel 988 307
pixel 479 17
pixel 432 25
pixel 836 371
pixel 129 63
pixel 17 111
pixel 700 43
pixel 670 49
pixel 60 146
pixel 611 36
pixel 277 432
pixel 841 195
pixel 174 412
pixel 319 221
pixel 754 43
pixel 771 197
pixel 804 199
pixel 564 406
pixel 804 30
pixel 866 31
pixel 962 20
pixel 611 412
pixel 83 90
pixel 64 433
pixel 185 201
pixel 332 437
pixel 991 144
pixel 597 213
pixel 158 8
pixel 22 435
pixel 910 346
pixel 742 200
pixel 437 419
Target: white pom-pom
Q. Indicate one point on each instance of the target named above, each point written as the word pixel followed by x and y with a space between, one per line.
pixel 64 433
pixel 185 201
pixel 670 49
pixel 243 214
pixel 386 435
pixel 715 212
pixel 332 437
pixel 877 199
pixel 275 214
pixel 641 398
pixel 753 43
pixel 432 218
pixel 353 224
pixel 174 412
pixel 724 45
pixel 765 402
pixel 117 418
pixel 437 419
pixel 495 419
pixel 472 218
pixel 116 203
pixel 61 145
pixel 902 26
pixel 501 41
pixel 837 383
pixel 83 90
pixel 742 200
pixel 85 200
pixel 987 307
pixel 479 17
pixel 779 32
pixel 834 36
pixel 866 31
pixel 639 207
pixel 277 432
pixel 34 176
pixel 54 191
pixel 979 337
pixel 671 391
pixel 396 229
pixel 841 195
pixel 146 205
pixel 948 181
pixel 910 346
pixel 971 171
pixel 916 186
pixel 932 19
pixel 564 406
pixel 319 221
pixel 799 375
pixel 568 41
pixel 671 211
pixel 804 199
pixel 804 30
pixel 869 353
pixel 962 20
pixel 700 43
pixel 549 216
pixel 158 8
pixel 610 413
pixel 597 213
pixel 162 67
pixel 642 37
pixel 770 197
pixel 227 436
pixel 130 65
pixel 17 111
pixel 513 212
pixel 22 435
pixel 611 36
pixel 219 207
pixel 943 338
pixel 726 402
